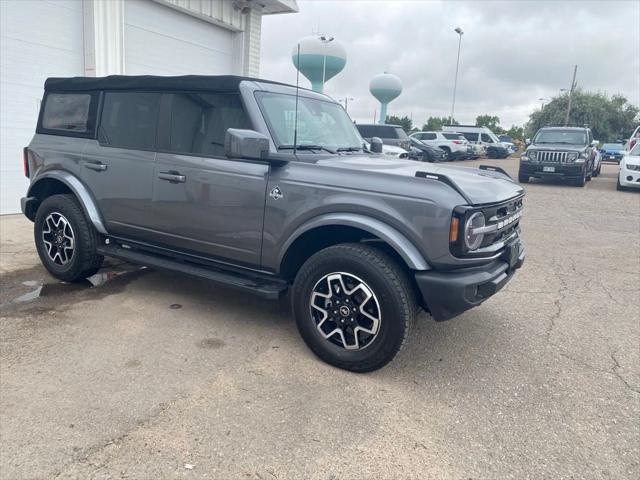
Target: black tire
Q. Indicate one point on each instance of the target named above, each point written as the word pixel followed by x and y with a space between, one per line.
pixel 491 153
pixel 580 182
pixel 522 178
pixel 619 186
pixel 447 153
pixel 82 261
pixel 394 301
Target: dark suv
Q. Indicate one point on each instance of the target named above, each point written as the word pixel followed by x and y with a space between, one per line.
pixel 269 189
pixel 389 134
pixel 559 152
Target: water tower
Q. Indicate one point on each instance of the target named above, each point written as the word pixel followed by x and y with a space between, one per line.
pixel 321 57
pixel 385 87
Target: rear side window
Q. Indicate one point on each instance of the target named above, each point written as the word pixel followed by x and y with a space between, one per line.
pixel 67 112
pixel 451 136
pixel 129 120
pixel 472 137
pixel 199 122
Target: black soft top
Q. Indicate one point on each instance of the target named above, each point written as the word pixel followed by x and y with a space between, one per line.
pixel 219 83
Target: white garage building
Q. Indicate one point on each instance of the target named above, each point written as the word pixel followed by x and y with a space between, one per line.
pixel 61 38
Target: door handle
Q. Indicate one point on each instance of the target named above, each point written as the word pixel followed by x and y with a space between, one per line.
pixel 172 177
pixel 98 167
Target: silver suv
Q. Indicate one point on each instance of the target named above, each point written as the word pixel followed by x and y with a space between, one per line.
pixel 262 187
pixel 454 147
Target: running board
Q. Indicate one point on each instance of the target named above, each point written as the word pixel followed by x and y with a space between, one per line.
pixel 263 286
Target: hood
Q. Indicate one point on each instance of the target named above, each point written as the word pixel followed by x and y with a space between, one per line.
pixel 557 146
pixel 478 186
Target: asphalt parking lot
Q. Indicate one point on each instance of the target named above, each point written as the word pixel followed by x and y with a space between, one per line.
pixel 152 375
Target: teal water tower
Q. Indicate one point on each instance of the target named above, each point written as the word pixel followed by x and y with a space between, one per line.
pixel 321 57
pixel 385 87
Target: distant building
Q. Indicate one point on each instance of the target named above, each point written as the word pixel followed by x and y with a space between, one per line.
pixel 103 37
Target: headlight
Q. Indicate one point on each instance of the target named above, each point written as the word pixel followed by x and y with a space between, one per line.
pixel 572 157
pixel 533 155
pixel 473 240
pixel 633 167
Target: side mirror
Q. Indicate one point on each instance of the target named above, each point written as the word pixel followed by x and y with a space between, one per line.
pixel 376 145
pixel 248 144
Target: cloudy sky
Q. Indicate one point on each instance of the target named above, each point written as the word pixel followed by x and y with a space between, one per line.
pixel 513 53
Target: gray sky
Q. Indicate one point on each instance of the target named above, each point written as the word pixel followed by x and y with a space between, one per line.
pixel 512 52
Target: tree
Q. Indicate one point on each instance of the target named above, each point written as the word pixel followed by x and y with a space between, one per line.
pixel 610 118
pixel 491 122
pixel 516 132
pixel 405 122
pixel 435 124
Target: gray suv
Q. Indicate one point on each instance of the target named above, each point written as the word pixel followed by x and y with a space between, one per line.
pixel 269 189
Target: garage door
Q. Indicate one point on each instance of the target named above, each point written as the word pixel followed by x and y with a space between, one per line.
pixel 39 40
pixel 162 41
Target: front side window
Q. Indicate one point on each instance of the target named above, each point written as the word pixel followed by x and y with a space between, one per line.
pixel 429 136
pixel 129 120
pixel 320 123
pixel 569 137
pixel 66 111
pixel 486 138
pixel 199 122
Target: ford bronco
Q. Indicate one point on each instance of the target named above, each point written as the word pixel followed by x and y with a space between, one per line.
pixel 270 189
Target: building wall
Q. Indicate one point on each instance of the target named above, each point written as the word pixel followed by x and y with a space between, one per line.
pixel 41 39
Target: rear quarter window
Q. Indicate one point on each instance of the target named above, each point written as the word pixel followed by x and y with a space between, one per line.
pixel 68 114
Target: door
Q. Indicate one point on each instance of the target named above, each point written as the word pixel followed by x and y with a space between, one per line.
pixel 118 168
pixel 203 202
pixel 37 40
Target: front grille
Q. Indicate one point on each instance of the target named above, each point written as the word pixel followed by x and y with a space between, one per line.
pixel 506 217
pixel 553 157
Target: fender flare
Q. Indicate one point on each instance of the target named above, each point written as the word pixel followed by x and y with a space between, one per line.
pixel 399 242
pixel 81 192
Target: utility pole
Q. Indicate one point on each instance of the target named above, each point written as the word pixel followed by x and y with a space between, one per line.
pixel 573 87
pixel 459 31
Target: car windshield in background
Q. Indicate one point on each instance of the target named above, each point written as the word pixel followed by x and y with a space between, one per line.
pixel 569 137
pixel 612 146
pixel 320 123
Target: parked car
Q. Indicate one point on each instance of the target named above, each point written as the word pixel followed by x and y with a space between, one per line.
pixel 425 153
pixel 482 136
pixel 634 139
pixel 629 173
pixel 508 142
pixel 389 134
pixel 450 143
pixel 597 161
pixel 559 152
pixel 207 176
pixel 393 151
pixel 612 152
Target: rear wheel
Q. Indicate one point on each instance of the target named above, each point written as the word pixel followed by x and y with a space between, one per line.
pixel 353 305
pixel 447 153
pixel 66 242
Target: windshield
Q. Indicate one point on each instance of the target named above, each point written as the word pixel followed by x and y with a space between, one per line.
pixel 612 146
pixel 570 137
pixel 320 122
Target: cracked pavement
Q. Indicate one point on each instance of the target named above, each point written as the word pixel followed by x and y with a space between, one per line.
pixel 151 373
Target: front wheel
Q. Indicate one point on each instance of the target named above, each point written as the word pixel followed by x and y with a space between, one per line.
pixel 522 178
pixel 581 181
pixel 66 242
pixel 353 305
pixel 447 153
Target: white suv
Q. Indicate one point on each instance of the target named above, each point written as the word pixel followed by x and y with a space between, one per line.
pixel 454 147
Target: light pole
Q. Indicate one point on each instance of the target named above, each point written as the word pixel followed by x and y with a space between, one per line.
pixel 573 87
pixel 326 40
pixel 346 101
pixel 542 100
pixel 459 31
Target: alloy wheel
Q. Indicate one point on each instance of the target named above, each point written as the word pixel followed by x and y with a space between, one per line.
pixel 345 310
pixel 58 238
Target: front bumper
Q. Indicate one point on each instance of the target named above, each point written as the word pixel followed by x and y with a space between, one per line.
pixel 448 294
pixel 629 178
pixel 537 169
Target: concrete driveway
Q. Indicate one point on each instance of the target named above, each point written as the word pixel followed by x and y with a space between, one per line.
pixel 152 375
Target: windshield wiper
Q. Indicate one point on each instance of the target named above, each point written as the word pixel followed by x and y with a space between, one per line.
pixel 306 147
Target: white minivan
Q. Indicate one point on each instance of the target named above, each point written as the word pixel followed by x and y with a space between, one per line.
pixel 481 136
